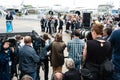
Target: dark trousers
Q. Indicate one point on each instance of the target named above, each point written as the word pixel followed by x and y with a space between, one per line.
pixel 55 29
pixel 42 28
pixel 13 70
pixel 38 71
pixel 46 68
pixel 49 29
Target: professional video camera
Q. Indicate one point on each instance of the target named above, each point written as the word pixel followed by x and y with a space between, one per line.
pixel 9 39
pixel 12 42
pixel 38 42
pixel 85 34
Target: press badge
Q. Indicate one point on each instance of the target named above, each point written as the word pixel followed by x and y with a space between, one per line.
pixel 10 63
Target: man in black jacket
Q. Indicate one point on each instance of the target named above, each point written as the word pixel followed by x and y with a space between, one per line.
pixel 72 73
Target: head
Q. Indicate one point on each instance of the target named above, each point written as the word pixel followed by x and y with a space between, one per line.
pixel 45 37
pixel 27 40
pixel 27 77
pixel 107 31
pixel 6 44
pixel 97 30
pixel 58 37
pixel 76 33
pixel 19 37
pixel 110 22
pixel 8 12
pixel 57 76
pixel 70 63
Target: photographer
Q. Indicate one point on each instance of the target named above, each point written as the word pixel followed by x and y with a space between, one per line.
pixel 5 60
pixel 44 56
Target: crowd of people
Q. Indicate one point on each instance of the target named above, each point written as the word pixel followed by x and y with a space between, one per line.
pixel 89 52
pixel 52 24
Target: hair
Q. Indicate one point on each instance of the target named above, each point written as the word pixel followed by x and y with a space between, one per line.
pixel 70 63
pixel 57 76
pixel 98 28
pixel 19 37
pixel 45 37
pixel 27 77
pixel 108 31
pixel 58 37
pixel 76 33
pixel 3 43
pixel 27 39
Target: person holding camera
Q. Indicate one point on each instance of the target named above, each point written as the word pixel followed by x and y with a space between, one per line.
pixel 44 55
pixel 5 60
pixel 95 53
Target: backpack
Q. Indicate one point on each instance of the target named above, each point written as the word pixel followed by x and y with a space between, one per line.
pixel 107 67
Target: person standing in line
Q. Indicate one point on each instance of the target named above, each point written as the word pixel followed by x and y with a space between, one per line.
pixel 68 23
pixel 73 24
pixel 52 26
pixel 75 48
pixel 42 21
pixel 95 53
pixel 60 27
pixel 9 18
pixel 56 24
pixel 47 24
pixel 28 59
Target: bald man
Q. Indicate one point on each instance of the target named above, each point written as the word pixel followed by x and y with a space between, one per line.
pixel 28 59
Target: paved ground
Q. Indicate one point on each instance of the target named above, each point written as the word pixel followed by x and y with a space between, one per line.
pixel 27 25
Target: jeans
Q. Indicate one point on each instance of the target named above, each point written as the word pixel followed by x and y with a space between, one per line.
pixel 77 65
pixel 33 75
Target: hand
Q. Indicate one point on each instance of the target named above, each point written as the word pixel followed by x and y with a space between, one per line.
pixel 12 49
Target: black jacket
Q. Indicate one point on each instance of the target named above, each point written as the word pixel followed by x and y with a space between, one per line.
pixel 72 74
pixel 9 17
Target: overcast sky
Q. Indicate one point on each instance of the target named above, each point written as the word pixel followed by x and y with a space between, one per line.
pixel 68 3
